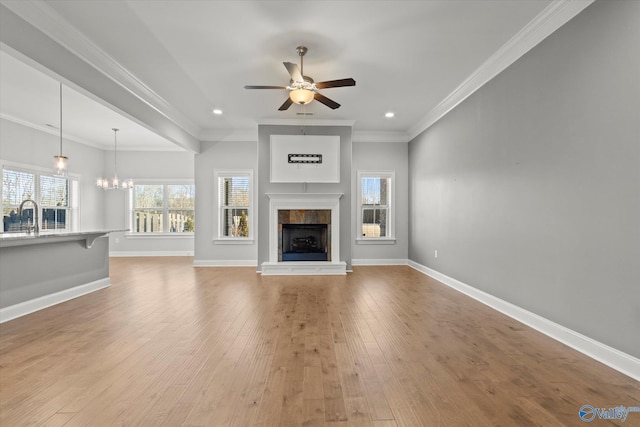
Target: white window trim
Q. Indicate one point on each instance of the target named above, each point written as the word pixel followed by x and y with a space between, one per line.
pixel 74 200
pixel 390 238
pixel 218 239
pixel 164 234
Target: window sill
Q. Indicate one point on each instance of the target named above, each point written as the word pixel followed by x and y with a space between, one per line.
pixel 376 241
pixel 159 235
pixel 233 241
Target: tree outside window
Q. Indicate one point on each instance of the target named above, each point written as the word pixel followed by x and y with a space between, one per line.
pixel 163 208
pixel 57 199
pixel 234 204
pixel 375 205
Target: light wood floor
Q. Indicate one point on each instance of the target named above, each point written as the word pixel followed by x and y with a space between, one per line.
pixel 169 344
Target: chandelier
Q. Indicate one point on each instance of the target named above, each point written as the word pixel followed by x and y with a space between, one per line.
pixel 115 183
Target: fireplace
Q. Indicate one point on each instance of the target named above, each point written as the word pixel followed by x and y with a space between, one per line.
pixel 304 234
pixel 304 242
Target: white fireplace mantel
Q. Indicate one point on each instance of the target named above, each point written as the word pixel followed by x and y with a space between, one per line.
pixel 304 201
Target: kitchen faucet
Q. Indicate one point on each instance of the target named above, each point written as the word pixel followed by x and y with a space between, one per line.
pixel 35 227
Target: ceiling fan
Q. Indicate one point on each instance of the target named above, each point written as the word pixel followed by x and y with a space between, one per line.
pixel 302 89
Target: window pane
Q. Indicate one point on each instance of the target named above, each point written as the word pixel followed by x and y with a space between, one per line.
pixel 148 196
pixel 374 191
pixel 54 191
pixel 235 222
pixel 374 222
pixel 181 196
pixel 11 220
pixel 17 186
pixel 234 191
pixel 181 221
pixel 147 221
pixel 53 219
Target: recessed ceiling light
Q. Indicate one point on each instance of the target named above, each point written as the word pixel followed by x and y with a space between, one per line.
pixel 217 112
pixel 389 114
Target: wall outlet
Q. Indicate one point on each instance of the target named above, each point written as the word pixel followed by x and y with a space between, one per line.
pixel 117 240
pixel 436 253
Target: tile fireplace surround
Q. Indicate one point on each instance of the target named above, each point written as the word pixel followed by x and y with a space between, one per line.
pixel 303 202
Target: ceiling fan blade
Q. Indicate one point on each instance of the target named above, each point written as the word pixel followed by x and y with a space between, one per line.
pixel 336 83
pixel 286 105
pixel 294 71
pixel 264 87
pixel 326 101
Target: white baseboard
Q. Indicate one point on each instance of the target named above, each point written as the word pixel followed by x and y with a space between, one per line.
pixel 149 253
pixel 616 359
pixel 389 261
pixel 28 307
pixel 225 263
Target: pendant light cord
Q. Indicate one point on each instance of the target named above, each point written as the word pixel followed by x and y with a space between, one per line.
pixel 61 119
pixel 115 152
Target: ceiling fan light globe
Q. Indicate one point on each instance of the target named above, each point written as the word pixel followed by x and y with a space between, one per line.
pixel 301 96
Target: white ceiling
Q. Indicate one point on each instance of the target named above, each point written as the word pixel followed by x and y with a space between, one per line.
pixel 194 56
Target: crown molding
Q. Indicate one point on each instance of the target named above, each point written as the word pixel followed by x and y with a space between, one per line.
pixel 43 17
pixel 243 135
pixel 50 131
pixel 228 135
pixel 544 24
pixel 380 136
pixel 306 122
pixel 69 137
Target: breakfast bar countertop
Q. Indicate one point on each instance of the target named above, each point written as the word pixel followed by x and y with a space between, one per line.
pixel 53 236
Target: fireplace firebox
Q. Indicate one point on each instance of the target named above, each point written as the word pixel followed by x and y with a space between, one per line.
pixel 304 242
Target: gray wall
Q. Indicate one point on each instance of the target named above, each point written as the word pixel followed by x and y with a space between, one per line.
pixel 32 147
pixel 530 189
pixel 60 266
pixel 215 156
pixel 141 165
pixel 380 156
pixel 264 133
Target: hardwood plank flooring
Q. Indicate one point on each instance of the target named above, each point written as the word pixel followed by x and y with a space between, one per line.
pixel 170 344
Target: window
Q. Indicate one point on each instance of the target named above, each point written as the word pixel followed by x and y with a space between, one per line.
pixel 234 205
pixel 163 208
pixel 375 206
pixel 56 197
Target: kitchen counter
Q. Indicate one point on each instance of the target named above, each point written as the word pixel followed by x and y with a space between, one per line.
pixel 53 236
pixel 39 271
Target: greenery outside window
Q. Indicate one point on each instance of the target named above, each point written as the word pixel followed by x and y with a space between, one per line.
pixel 375 215
pixel 162 208
pixel 234 200
pixel 56 196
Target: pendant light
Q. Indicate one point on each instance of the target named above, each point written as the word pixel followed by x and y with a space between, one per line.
pixel 115 183
pixel 61 162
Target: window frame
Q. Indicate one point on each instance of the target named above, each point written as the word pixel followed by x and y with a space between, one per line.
pixel 390 238
pixel 218 238
pixel 165 209
pixel 72 214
